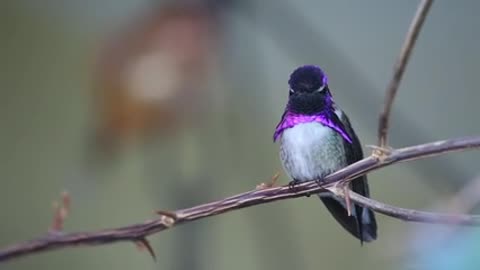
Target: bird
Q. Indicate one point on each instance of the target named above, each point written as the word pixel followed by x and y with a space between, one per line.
pixel 317 139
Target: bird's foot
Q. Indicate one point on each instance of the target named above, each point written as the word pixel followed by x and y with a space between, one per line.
pixel 319 182
pixel 292 185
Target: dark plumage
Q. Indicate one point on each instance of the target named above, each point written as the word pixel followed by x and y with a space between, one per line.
pixel 307 79
pixel 309 93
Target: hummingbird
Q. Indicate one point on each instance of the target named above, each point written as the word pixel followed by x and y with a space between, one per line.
pixel 317 139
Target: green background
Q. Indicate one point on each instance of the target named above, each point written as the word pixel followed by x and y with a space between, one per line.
pixel 47 52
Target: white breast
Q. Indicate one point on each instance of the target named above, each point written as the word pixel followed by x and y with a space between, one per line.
pixel 310 151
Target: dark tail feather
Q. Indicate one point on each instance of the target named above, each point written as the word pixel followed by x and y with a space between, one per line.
pixel 361 223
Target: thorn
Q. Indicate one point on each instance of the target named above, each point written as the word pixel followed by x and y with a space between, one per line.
pixel 143 244
pixel 269 184
pixel 261 186
pixel 61 211
pixel 167 218
pixel 66 200
pixel 344 187
pixel 167 213
pixel 379 152
pixel 346 192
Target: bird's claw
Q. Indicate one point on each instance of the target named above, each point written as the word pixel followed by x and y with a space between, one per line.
pixel 292 187
pixel 292 184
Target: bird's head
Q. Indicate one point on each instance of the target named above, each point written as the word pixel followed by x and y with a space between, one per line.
pixel 309 93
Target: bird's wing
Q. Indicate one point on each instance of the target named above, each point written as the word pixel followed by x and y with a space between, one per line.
pixel 353 151
pixel 276 133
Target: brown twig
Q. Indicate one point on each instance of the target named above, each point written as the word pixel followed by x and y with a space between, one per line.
pixel 399 69
pixel 140 231
pixel 61 211
pixel 410 214
pixel 269 184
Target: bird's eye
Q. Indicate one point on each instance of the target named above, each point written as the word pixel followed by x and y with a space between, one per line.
pixel 291 91
pixel 321 88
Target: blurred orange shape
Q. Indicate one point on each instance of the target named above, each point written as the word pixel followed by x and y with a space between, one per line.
pixel 148 75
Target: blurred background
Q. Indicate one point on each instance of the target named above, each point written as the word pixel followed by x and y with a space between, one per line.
pixel 134 106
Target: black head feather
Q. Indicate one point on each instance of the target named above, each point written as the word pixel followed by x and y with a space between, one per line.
pixel 305 97
pixel 307 79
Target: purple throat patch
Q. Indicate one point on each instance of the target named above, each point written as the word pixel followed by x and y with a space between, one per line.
pixel 291 119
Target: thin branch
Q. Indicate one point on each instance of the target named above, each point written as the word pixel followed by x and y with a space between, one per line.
pixel 410 214
pixel 399 69
pixel 169 219
pixel 61 211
